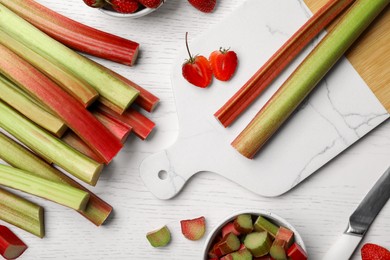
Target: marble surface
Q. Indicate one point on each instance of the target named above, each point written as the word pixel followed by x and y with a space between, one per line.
pixel 318 207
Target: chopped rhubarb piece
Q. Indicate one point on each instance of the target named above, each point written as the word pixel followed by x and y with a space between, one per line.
pixel 258 243
pixel 286 235
pixel 74 34
pixel 229 228
pixel 227 245
pixel 263 224
pixel 193 229
pixel 243 223
pixel 11 247
pixel 296 252
pixel 242 254
pixel 160 237
pixel 278 249
pixel 265 257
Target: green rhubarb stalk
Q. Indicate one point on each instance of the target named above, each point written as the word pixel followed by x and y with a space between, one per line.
pixel 307 75
pixel 21 213
pixel 75 86
pixel 51 147
pixel 97 210
pixel 57 192
pixel 28 107
pixel 108 86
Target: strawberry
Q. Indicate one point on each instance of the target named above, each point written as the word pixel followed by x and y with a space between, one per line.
pixel 150 3
pixel 193 229
pixel 124 6
pixel 94 3
pixel 197 70
pixel 206 6
pixel 223 63
pixel 374 252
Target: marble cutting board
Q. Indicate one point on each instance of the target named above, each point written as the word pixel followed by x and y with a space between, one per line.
pixel 340 111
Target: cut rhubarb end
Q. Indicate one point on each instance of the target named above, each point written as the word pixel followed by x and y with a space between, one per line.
pixel 295 252
pixel 238 103
pixel 243 223
pixel 74 34
pixel 286 235
pixel 229 228
pixel 304 79
pixel 193 229
pixel 160 237
pixel 263 224
pixel 227 245
pixel 243 254
pixel 97 210
pixel 278 249
pixel 11 246
pixel 56 192
pixel 21 213
pixel 258 243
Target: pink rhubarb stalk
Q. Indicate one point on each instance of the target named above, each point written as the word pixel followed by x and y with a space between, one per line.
pixel 74 34
pixel 76 117
pixel 119 129
pixel 276 64
pixel 11 246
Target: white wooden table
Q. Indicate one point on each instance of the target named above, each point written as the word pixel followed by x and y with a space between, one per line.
pixel 319 207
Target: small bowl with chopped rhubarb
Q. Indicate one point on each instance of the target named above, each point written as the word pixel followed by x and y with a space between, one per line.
pixel 130 8
pixel 254 234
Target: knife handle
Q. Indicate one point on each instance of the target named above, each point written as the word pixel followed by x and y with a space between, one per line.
pixel 343 247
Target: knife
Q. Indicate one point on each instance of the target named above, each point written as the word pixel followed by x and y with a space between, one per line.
pixel 361 219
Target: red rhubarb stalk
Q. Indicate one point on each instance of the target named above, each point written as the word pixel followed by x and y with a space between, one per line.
pixel 303 80
pixel 75 86
pixel 141 125
pixel 276 64
pixel 74 34
pixel 11 246
pixel 74 141
pixel 76 117
pixel 119 129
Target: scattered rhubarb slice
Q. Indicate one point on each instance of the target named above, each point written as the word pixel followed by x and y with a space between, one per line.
pixel 74 34
pixel 11 246
pixel 76 117
pixel 278 251
pixel 97 210
pixel 99 77
pixel 193 229
pixel 263 224
pixel 303 80
pixel 276 64
pixel 28 107
pixel 258 243
pixel 75 86
pixel 160 237
pixel 22 213
pixel 229 228
pixel 243 223
pixel 286 235
pixel 29 183
pixel 295 252
pixel 227 245
pixel 53 148
pixel 243 254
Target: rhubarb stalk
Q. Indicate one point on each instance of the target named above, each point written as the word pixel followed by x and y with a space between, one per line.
pixel 97 210
pixel 75 86
pixel 11 246
pixel 276 64
pixel 119 129
pixel 28 107
pixel 74 141
pixel 99 77
pixel 74 34
pixel 307 75
pixel 76 117
pixel 21 213
pixel 57 192
pixel 51 147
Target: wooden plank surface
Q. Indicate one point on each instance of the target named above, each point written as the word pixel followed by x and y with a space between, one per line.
pixel 370 55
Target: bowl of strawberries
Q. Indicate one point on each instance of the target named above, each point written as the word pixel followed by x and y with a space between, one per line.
pixel 126 8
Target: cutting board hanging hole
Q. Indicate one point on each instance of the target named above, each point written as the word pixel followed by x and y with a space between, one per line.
pixel 162 175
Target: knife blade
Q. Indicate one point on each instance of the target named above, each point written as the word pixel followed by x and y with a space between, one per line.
pixel 361 219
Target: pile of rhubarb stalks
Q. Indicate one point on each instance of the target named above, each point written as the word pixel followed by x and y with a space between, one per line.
pixel 60 108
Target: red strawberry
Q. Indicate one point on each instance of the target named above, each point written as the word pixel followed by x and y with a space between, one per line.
pixel 196 70
pixel 223 63
pixel 125 6
pixel 374 252
pixel 193 229
pixel 206 6
pixel 94 3
pixel 150 3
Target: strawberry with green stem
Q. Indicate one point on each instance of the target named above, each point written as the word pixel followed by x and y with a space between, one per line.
pixel 196 70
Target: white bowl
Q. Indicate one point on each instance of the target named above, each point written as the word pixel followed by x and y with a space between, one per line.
pixel 270 216
pixel 137 14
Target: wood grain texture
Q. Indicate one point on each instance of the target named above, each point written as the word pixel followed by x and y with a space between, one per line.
pixel 370 55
